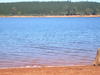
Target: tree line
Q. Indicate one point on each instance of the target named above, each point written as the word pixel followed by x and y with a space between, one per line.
pixel 50 8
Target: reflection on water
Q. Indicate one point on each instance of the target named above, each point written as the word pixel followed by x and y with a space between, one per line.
pixel 48 41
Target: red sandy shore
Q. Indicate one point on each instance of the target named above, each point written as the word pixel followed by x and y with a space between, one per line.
pixel 70 70
pixel 57 16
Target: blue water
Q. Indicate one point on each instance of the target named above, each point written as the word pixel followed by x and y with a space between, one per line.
pixel 48 41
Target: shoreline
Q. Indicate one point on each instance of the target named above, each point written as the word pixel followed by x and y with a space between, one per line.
pixel 55 16
pixel 66 70
pixel 40 66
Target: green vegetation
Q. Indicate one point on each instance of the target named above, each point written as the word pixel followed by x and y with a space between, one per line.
pixel 50 8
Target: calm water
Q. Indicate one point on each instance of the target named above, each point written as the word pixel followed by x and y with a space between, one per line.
pixel 48 41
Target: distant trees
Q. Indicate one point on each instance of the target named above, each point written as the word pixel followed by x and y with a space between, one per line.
pixel 84 9
pixel 76 11
pixel 50 8
pixel 90 11
pixel 15 11
pixel 71 10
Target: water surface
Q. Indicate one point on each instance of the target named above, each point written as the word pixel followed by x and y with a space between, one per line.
pixel 48 41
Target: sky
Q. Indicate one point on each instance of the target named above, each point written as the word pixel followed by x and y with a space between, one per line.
pixel 2 1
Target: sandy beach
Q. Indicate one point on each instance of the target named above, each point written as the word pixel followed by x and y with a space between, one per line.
pixel 56 16
pixel 69 70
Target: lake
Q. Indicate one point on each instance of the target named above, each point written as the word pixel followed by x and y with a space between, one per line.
pixel 48 41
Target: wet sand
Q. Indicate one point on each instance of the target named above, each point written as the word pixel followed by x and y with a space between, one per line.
pixel 69 70
pixel 57 16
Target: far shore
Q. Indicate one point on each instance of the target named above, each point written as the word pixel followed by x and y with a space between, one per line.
pixel 67 70
pixel 55 16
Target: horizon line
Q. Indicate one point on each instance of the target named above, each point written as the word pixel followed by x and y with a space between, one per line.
pixel 47 1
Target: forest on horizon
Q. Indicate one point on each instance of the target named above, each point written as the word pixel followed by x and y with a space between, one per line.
pixel 50 8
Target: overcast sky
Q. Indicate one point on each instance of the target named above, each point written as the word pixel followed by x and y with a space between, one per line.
pixel 44 0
